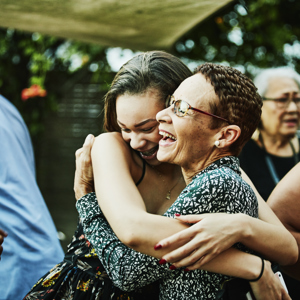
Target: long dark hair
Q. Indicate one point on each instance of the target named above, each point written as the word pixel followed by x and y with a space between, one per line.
pixel 150 70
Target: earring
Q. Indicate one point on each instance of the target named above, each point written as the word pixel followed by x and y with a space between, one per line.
pixel 217 144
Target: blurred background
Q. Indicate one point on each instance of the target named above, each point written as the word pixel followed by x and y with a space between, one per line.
pixel 58 84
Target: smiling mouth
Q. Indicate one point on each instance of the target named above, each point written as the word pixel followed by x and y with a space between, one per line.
pixel 291 121
pixel 149 152
pixel 167 136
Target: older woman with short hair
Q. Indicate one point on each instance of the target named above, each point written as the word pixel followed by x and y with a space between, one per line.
pixel 274 149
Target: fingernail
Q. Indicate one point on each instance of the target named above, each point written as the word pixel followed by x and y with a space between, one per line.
pixel 177 215
pixel 157 247
pixel 162 261
pixel 88 139
pixel 186 270
pixel 172 267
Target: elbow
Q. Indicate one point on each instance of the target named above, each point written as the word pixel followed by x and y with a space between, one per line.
pixel 295 255
pixel 292 254
pixel 130 238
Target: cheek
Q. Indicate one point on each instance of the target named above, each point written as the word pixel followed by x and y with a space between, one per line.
pixel 125 136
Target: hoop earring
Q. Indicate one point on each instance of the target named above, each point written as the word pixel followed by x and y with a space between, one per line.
pixel 217 144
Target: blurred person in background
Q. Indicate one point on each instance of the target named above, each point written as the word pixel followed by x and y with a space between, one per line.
pixel 32 245
pixel 274 149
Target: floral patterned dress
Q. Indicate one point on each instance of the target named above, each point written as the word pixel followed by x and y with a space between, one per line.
pixel 82 276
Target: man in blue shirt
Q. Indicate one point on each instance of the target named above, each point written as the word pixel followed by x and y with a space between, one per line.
pixel 31 247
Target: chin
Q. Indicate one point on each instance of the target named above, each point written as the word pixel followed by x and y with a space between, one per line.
pixel 163 158
pixel 153 162
pixel 290 135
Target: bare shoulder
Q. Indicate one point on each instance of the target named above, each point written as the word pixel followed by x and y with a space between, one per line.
pixel 111 141
pixel 110 148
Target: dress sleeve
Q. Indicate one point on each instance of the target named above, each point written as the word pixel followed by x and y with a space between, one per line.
pixel 128 269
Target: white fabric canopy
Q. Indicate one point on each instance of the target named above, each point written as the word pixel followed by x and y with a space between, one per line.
pixel 134 24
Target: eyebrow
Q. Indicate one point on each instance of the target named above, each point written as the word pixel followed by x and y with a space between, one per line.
pixel 139 124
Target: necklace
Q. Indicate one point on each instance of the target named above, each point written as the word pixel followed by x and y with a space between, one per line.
pixel 269 161
pixel 168 196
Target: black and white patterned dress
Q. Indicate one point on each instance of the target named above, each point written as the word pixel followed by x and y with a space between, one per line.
pixel 218 188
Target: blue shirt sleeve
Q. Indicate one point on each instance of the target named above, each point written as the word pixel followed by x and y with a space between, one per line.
pixel 32 247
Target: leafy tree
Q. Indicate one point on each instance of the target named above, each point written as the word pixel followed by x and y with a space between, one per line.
pixel 245 34
pixel 33 63
pixel 249 34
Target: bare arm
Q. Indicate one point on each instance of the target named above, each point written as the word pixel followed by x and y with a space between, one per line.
pixel 284 201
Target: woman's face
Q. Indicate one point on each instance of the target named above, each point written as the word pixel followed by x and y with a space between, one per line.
pixel 136 116
pixel 280 122
pixel 188 140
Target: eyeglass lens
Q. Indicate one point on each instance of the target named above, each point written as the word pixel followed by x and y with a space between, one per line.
pixel 181 108
pixel 285 102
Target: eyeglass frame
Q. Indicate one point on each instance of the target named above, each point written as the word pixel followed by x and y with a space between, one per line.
pixel 286 103
pixel 190 107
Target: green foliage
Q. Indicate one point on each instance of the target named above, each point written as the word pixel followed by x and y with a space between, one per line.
pixel 255 33
pixel 33 59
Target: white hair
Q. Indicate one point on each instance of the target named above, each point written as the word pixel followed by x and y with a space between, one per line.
pixel 261 80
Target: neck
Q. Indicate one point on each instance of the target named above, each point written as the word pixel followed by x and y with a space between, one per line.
pixel 165 169
pixel 279 145
pixel 194 168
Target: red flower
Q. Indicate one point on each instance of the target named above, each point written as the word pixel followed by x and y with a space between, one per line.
pixel 34 91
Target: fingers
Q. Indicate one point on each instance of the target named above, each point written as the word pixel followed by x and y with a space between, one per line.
pixel 190 218
pixel 179 238
pixel 87 146
pixel 190 257
pixel 78 153
pixel 89 141
pixel 2 232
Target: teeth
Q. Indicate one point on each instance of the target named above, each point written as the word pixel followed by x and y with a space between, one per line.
pixel 148 153
pixel 164 134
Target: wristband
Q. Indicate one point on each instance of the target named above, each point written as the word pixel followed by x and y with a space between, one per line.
pixel 261 272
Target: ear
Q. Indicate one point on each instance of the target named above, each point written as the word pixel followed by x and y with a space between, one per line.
pixel 228 135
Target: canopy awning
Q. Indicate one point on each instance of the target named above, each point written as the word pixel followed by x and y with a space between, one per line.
pixel 134 24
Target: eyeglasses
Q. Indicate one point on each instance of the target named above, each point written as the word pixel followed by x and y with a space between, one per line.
pixel 284 102
pixel 181 108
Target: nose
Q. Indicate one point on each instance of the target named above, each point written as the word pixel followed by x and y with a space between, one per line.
pixel 292 107
pixel 137 141
pixel 163 116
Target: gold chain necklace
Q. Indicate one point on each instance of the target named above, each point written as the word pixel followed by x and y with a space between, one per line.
pixel 168 196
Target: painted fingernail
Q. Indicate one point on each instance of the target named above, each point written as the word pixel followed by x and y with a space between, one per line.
pixel 162 261
pixel 172 267
pixel 186 270
pixel 177 215
pixel 157 247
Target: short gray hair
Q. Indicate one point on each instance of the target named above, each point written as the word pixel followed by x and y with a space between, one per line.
pixel 262 79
